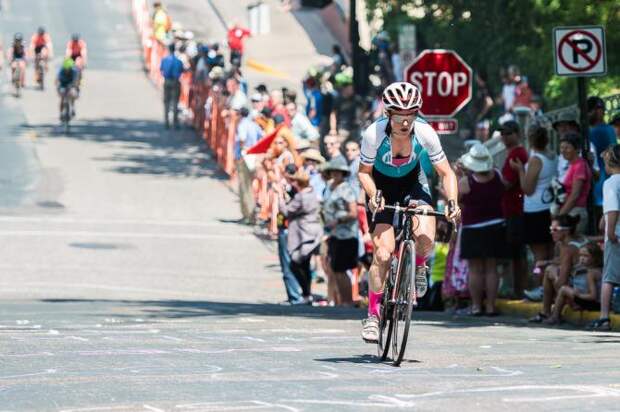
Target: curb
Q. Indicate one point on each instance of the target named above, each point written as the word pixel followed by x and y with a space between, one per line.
pixel 527 309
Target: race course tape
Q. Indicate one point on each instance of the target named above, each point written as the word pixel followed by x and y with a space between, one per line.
pixel 266 69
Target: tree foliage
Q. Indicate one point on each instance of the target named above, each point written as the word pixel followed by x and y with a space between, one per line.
pixel 492 34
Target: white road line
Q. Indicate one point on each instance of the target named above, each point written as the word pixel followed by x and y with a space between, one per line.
pixel 122 235
pixel 148 222
pixel 63 287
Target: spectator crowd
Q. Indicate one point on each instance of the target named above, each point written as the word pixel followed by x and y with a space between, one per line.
pixel 527 230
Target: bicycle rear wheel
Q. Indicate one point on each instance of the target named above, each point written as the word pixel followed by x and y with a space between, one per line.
pixel 404 303
pixel 385 321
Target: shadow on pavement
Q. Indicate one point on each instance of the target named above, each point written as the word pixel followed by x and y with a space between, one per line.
pixel 180 309
pixel 143 147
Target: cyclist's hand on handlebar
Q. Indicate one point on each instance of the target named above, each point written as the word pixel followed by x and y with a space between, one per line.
pixel 453 211
pixel 376 205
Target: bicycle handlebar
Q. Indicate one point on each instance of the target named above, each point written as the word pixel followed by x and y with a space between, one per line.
pixel 416 211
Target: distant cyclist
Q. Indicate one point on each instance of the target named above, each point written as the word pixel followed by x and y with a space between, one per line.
pixel 17 57
pixel 390 162
pixel 76 50
pixel 66 84
pixel 41 46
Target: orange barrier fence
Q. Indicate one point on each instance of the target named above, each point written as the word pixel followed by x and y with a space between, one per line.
pixel 214 123
pixel 204 108
pixel 153 51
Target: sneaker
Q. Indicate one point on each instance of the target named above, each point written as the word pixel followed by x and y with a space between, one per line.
pixel 535 295
pixel 370 329
pixel 421 281
pixel 600 325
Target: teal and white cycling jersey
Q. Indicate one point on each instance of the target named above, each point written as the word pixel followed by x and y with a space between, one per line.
pixel 376 148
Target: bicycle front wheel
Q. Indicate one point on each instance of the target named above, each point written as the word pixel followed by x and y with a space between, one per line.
pixel 385 321
pixel 404 302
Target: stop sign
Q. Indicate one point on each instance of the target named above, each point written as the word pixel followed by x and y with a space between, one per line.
pixel 445 80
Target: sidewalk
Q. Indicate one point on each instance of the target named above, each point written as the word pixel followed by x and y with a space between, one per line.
pixel 525 309
pixel 297 40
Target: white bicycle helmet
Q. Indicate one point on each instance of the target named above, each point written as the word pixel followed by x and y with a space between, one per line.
pixel 401 96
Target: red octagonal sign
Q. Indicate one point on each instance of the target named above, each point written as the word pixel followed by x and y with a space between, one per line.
pixel 445 80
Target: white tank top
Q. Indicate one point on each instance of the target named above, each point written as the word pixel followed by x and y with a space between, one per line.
pixel 541 198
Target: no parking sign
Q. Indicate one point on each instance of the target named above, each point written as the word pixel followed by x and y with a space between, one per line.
pixel 579 51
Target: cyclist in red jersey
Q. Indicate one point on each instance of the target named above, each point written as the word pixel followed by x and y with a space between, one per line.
pixel 76 49
pixel 41 46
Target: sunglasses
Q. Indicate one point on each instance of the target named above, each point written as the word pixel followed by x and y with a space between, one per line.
pixel 553 229
pixel 278 142
pixel 400 118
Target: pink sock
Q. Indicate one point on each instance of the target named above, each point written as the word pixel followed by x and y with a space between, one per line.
pixel 374 300
pixel 420 260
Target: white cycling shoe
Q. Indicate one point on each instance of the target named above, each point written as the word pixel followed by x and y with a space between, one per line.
pixel 421 281
pixel 370 329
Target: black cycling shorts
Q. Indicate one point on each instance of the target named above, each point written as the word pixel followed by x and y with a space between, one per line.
pixel 412 186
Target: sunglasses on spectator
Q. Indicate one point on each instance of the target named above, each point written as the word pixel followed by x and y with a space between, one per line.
pixel 278 142
pixel 331 143
pixel 558 228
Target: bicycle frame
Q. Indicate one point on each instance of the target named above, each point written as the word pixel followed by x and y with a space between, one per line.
pixel 404 234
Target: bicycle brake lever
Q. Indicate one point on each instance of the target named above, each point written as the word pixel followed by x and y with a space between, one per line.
pixel 378 196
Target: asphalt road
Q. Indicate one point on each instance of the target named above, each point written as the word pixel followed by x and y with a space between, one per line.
pixel 126 285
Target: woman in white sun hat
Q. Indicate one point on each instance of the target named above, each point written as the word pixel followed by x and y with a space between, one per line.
pixel 483 236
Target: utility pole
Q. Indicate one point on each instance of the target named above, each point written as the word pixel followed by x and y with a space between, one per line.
pixel 356 52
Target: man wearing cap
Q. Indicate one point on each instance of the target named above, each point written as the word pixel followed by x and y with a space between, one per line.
pixel 602 136
pixel 512 203
pixel 171 68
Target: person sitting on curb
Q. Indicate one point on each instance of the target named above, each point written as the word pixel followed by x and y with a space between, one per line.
pixel 583 294
pixel 563 230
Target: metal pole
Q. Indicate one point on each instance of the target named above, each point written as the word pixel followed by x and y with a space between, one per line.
pixel 582 92
pixel 354 37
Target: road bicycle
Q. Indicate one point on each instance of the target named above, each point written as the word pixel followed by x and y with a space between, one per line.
pixel 65 109
pixel 39 71
pixel 17 79
pixel 400 295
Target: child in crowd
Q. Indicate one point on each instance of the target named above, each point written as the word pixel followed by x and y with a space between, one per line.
pixel 611 209
pixel 583 293
pixel 559 270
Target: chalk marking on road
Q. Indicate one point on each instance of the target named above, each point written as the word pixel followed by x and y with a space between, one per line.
pixel 45 372
pixel 122 235
pixel 172 338
pixel 588 391
pixel 251 320
pixel 502 373
pixel 152 408
pixel 101 408
pixel 252 338
pixel 234 406
pixel 373 401
pixel 78 338
pixel 329 375
pixel 22 322
pixel 53 332
pixel 305 331
pixel 26 355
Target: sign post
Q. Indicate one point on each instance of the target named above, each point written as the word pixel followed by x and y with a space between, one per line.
pixel 580 52
pixel 446 84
